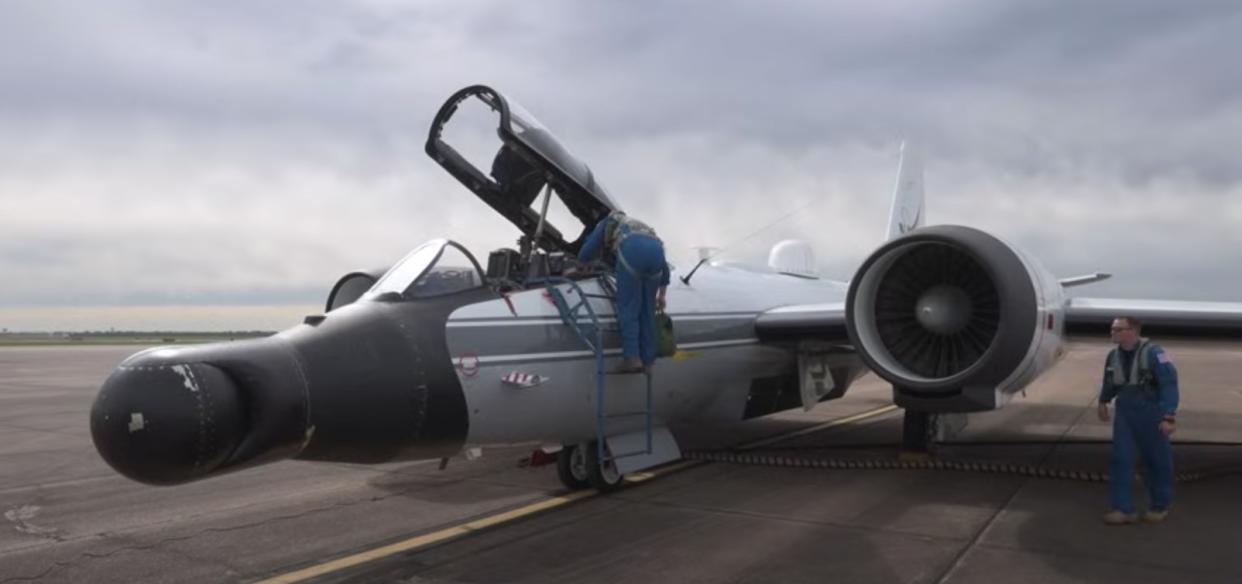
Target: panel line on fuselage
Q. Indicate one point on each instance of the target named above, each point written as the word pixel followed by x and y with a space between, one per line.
pixel 609 318
pixel 577 355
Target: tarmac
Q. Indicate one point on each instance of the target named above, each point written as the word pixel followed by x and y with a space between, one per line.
pixel 67 517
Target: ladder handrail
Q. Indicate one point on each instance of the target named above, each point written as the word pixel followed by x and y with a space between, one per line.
pixel 572 317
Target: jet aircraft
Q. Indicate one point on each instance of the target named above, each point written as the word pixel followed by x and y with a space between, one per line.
pixel 439 355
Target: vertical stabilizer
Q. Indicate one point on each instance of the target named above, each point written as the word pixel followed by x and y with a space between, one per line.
pixel 907 213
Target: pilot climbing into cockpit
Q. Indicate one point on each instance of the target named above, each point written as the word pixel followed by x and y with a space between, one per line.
pixel 642 277
pixel 531 160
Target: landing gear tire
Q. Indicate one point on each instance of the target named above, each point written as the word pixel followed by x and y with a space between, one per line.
pixel 603 475
pixel 571 467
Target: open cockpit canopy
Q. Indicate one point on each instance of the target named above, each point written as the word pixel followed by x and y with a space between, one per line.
pixel 526 159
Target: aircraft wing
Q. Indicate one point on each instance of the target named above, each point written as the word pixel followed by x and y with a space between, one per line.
pixel 823 322
pixel 1176 317
pixel 1083 316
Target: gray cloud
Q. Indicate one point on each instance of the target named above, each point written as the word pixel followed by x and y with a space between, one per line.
pixel 269 147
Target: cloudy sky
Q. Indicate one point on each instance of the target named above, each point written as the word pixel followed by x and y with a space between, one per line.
pixel 220 165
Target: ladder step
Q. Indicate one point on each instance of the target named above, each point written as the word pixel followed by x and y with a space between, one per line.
pixel 628 454
pixel 579 315
pixel 627 414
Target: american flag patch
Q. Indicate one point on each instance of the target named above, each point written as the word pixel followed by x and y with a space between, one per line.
pixel 522 379
pixel 1162 357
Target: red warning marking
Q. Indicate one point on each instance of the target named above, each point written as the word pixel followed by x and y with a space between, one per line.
pixel 468 364
pixel 548 296
pixel 523 379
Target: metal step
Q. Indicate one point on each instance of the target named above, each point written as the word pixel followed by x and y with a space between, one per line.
pixel 641 450
pixel 583 320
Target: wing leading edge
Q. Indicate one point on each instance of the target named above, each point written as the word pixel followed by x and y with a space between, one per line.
pixel 822 322
pixel 1090 316
pixel 1175 317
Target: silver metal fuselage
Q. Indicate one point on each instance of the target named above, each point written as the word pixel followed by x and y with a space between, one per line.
pixel 709 379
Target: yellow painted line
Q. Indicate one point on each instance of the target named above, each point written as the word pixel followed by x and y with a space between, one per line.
pixel 544 505
pixel 426 540
pixel 819 427
pixel 642 476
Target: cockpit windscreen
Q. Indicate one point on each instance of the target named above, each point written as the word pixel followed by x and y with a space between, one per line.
pixel 435 268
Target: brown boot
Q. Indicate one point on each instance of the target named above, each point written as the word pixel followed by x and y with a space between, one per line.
pixel 1154 515
pixel 629 366
pixel 1119 517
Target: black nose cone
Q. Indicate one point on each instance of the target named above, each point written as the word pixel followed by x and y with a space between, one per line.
pixel 163 422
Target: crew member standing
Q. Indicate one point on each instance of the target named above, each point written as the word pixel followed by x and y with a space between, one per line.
pixel 642 279
pixel 1142 378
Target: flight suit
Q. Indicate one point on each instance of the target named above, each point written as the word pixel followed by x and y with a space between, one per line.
pixel 641 270
pixel 1144 383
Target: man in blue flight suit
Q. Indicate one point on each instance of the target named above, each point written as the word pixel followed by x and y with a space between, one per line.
pixel 642 278
pixel 1142 378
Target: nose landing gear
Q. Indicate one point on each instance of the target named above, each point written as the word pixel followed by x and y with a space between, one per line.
pixel 579 467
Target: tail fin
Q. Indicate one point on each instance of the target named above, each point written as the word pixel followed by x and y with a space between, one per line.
pixel 907 213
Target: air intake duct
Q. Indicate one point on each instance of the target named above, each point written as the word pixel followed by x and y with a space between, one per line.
pixel 945 314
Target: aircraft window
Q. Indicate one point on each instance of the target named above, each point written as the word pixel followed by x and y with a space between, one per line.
pixel 453 271
pixel 473 134
pixel 521 120
pixel 535 134
pixel 435 268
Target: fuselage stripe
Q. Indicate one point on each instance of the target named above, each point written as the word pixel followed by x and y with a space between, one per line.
pixel 488 359
pixel 609 318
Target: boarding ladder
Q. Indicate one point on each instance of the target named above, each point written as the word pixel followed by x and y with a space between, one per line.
pixel 580 317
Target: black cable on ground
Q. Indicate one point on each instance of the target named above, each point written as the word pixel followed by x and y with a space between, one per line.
pixel 1079 442
pixel 988 467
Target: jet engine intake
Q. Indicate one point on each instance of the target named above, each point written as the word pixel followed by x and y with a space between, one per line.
pixel 949 315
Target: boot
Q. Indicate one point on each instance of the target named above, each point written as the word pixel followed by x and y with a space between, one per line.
pixel 1118 517
pixel 629 365
pixel 1155 515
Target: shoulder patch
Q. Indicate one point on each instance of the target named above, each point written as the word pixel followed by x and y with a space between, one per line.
pixel 1163 357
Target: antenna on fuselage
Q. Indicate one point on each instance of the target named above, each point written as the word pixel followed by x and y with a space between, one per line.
pixel 708 256
pixel 686 278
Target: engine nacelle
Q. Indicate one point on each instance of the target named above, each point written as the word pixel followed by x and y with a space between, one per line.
pixel 956 319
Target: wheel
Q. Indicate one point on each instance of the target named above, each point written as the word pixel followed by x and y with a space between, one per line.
pixel 571 467
pixel 602 475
